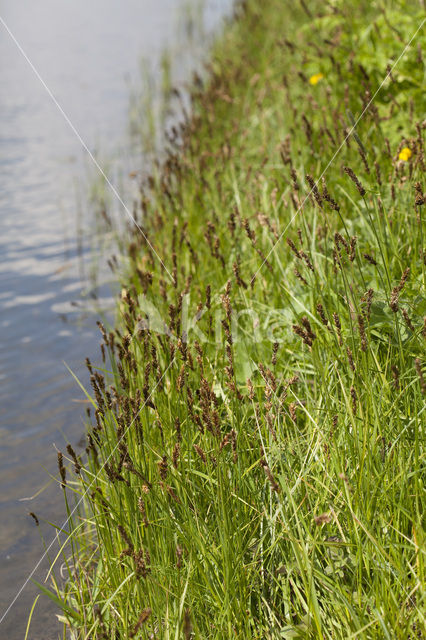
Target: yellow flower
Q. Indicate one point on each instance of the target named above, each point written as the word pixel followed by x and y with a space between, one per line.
pixel 316 78
pixel 405 154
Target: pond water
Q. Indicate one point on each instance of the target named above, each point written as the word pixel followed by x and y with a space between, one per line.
pixel 50 292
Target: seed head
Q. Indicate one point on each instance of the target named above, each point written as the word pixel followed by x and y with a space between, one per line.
pixel 62 470
pixel 355 180
pixel 77 464
pixel 314 189
pixel 250 389
pixel 299 276
pixel 275 486
pixel 395 374
pixel 352 248
pixel 34 517
pixel 201 453
pixel 187 626
pixel 354 399
pixel 274 353
pixel 175 455
pixel 163 467
pixel 321 314
pixel 420 196
pixel 408 320
pixel 322 519
pixel 338 328
pixel 369 259
pixel 394 299
pixel 293 247
pixel 362 334
pixel 422 380
pixel 146 613
pixel 367 298
pixel 350 359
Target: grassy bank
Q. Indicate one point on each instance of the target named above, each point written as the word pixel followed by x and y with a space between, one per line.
pixel 255 455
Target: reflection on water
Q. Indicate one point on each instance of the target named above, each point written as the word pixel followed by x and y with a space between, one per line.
pixel 48 306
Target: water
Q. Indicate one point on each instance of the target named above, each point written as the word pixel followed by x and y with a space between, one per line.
pixel 48 301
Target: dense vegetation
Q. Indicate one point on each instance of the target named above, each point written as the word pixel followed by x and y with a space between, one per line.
pixel 255 459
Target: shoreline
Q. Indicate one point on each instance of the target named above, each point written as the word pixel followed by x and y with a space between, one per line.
pixel 262 390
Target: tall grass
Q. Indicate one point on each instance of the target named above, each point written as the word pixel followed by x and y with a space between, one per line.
pixel 255 458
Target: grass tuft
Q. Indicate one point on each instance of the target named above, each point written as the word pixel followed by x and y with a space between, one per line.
pixel 255 452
